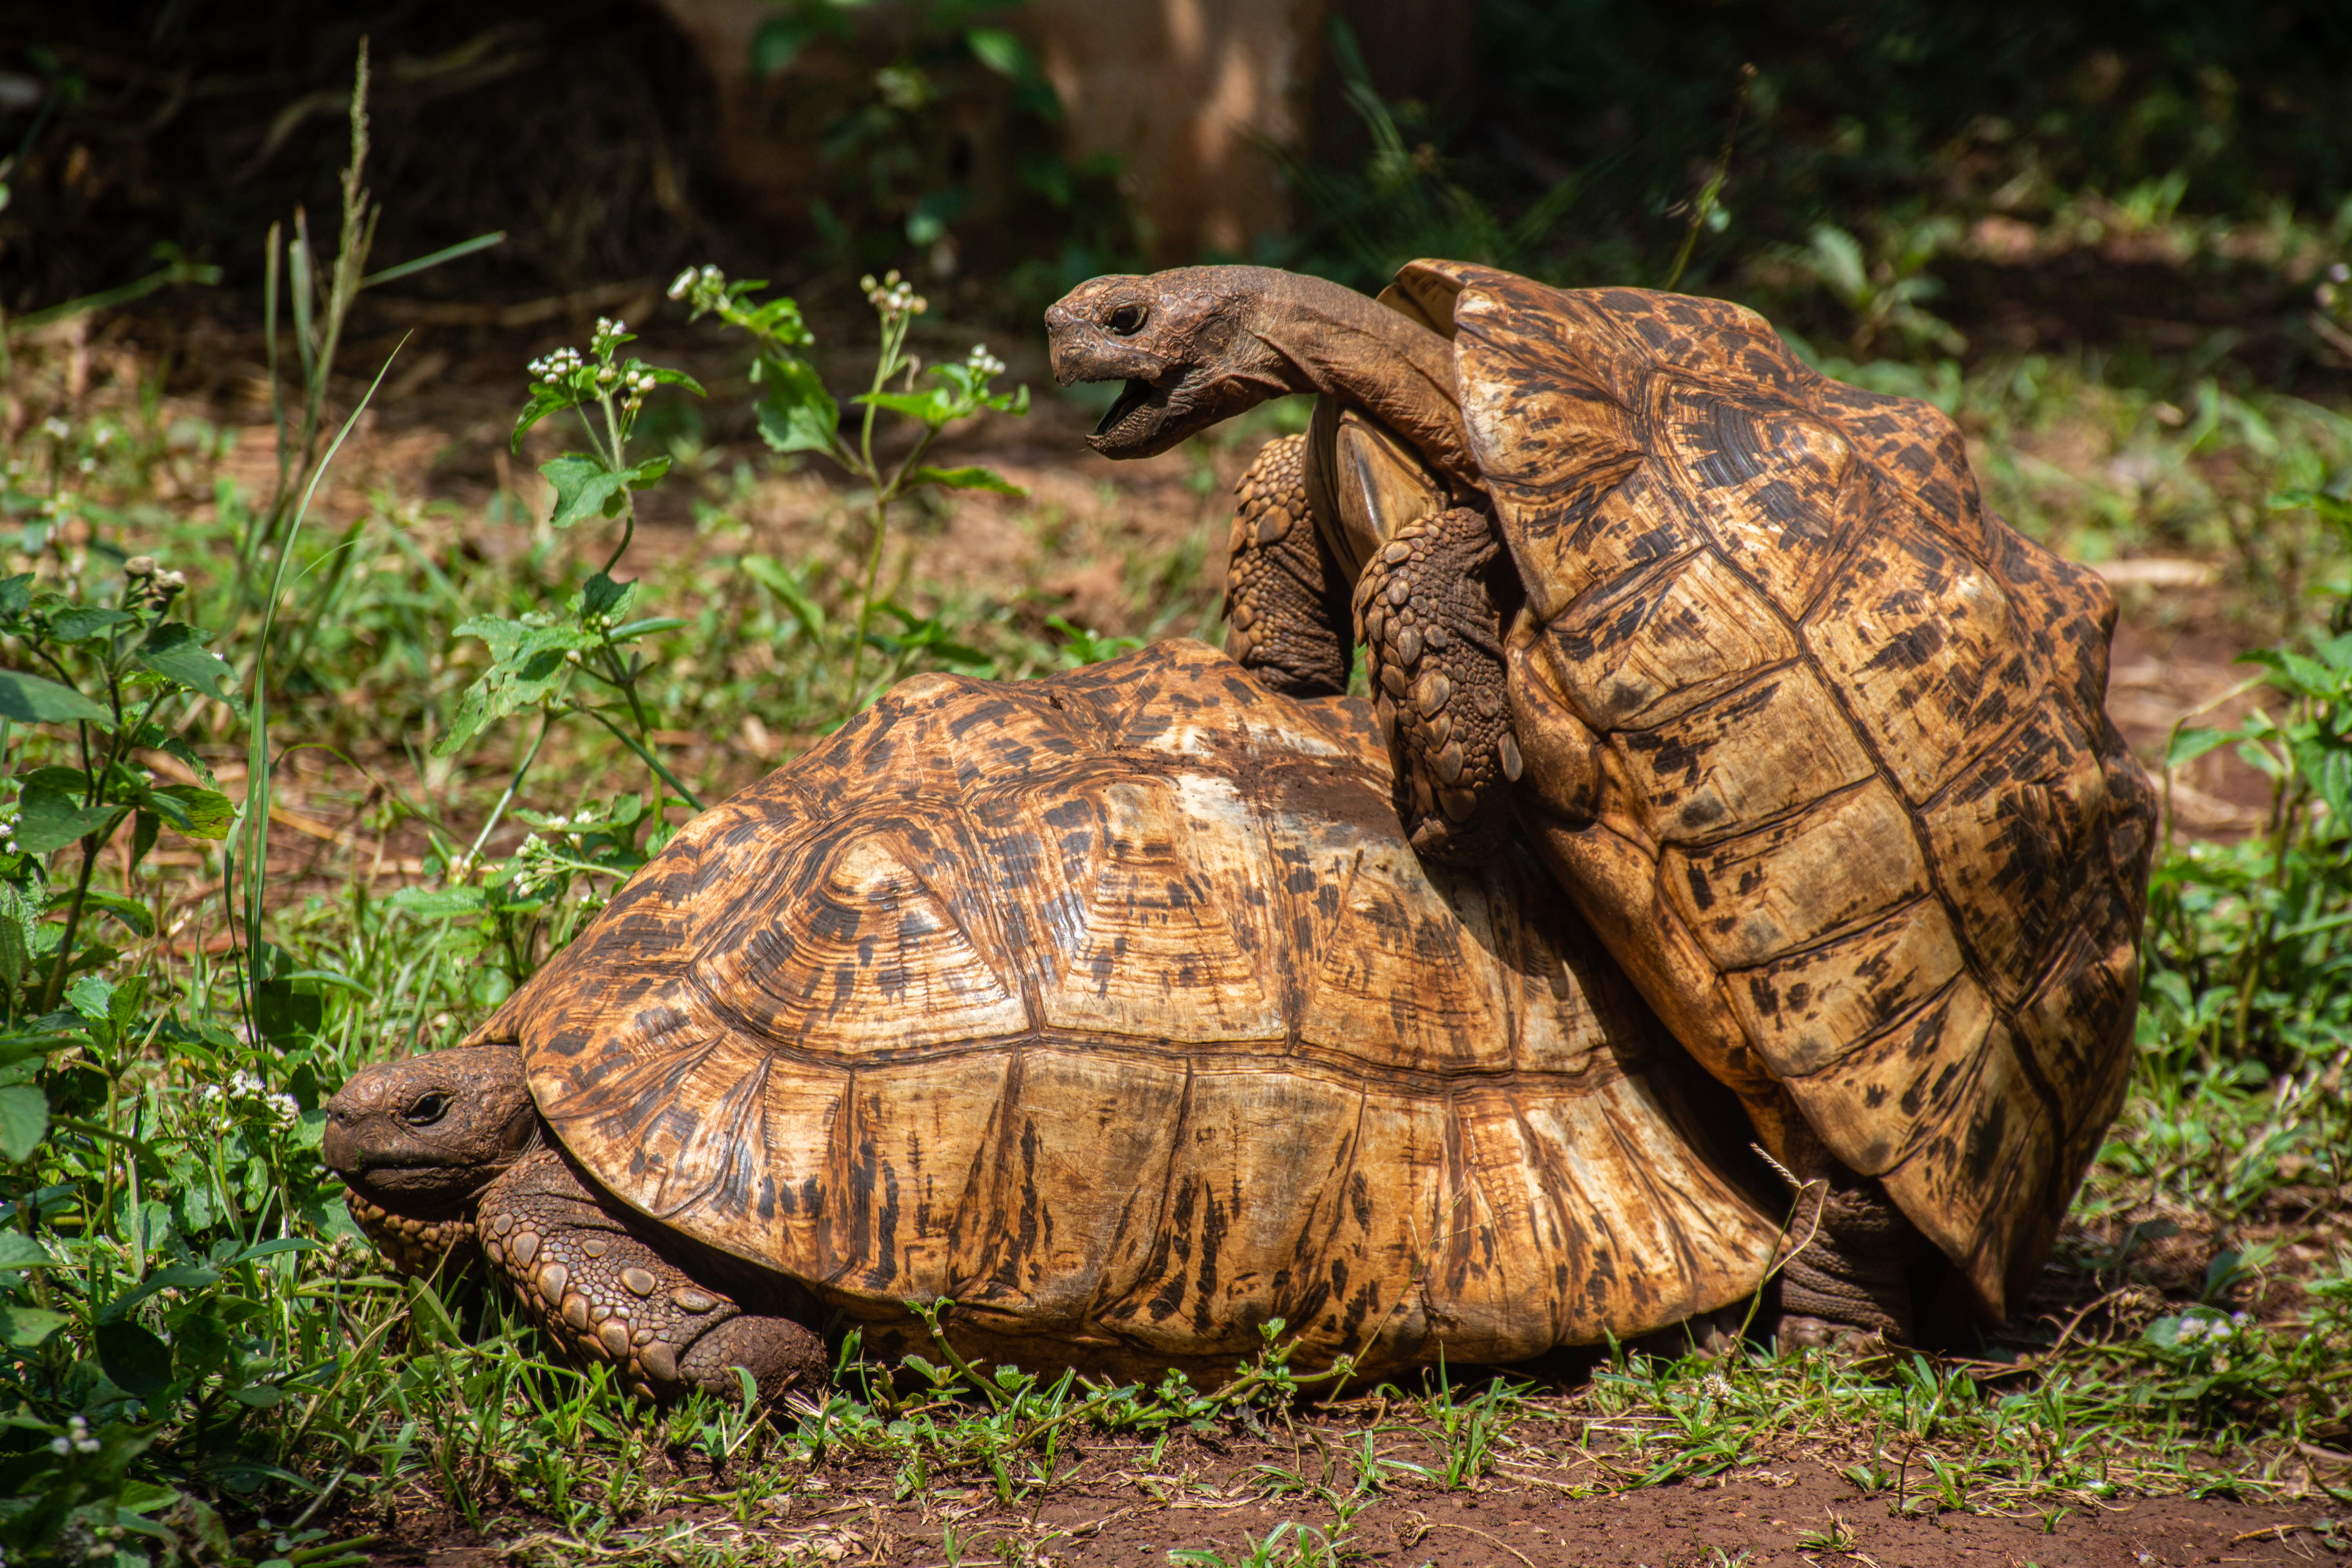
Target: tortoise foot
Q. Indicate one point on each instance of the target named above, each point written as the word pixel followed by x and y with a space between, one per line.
pixel 1848 1279
pixel 1864 1349
pixel 1427 612
pixel 596 1286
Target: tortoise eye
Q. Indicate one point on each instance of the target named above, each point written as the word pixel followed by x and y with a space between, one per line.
pixel 428 1108
pixel 1127 320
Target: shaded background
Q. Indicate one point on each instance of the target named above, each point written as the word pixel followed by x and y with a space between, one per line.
pixel 2027 166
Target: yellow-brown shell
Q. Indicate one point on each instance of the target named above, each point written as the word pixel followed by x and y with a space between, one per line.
pixel 1113 1006
pixel 1862 815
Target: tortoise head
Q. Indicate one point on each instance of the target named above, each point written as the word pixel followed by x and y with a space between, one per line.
pixel 418 1141
pixel 1183 343
pixel 1200 344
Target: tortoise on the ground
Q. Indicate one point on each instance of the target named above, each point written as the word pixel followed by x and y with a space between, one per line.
pixel 1815 743
pixel 1113 1006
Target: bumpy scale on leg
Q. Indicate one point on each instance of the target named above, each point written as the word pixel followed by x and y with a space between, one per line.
pixel 1428 613
pixel 593 1284
pixel 411 1245
pixel 1286 599
pixel 1846 1285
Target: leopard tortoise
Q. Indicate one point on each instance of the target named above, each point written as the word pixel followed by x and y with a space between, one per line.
pixel 1113 1006
pixel 1815 743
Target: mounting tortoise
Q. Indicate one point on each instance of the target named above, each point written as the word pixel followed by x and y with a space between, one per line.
pixel 1816 745
pixel 1114 1007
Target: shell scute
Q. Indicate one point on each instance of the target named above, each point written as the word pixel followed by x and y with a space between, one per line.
pixel 1732 765
pixel 1660 644
pixel 1921 641
pixel 1851 858
pixel 1813 1009
pixel 2014 847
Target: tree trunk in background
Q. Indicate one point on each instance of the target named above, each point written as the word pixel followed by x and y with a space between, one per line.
pixel 1186 93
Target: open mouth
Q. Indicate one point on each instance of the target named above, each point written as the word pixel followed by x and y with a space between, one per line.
pixel 1137 394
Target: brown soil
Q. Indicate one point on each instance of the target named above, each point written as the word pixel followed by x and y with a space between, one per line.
pixel 1117 1508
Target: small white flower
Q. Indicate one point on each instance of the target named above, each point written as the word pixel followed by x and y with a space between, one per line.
pixel 55 428
pixel 284 1109
pixel 2340 272
pixel 60 1446
pixel 2190 1329
pixel 683 284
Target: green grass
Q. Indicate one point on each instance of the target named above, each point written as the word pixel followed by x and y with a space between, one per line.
pixel 201 1361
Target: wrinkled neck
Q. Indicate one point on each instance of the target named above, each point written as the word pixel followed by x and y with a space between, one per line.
pixel 1334 341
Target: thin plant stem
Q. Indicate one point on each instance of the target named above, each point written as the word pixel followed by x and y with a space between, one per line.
pixel 547 722
pixel 693 801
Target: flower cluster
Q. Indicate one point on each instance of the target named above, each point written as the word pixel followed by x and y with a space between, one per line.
pixel 893 296
pixel 56 429
pixel 540 870
pixel 610 336
pixel 282 1109
pixel 553 367
pixel 77 1439
pixel 704 287
pixel 983 363
pixel 150 586
pixel 8 833
pixel 2218 1331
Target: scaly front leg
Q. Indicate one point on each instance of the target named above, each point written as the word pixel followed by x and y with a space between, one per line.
pixel 596 1284
pixel 1429 610
pixel 1286 598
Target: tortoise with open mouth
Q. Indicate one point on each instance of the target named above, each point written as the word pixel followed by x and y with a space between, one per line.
pixel 1114 1007
pixel 1815 743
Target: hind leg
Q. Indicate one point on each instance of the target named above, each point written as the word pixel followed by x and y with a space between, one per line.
pixel 1428 612
pixel 1847 1285
pixel 595 1285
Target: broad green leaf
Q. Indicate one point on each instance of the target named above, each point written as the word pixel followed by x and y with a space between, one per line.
pixel 798 415
pixel 30 700
pixel 198 813
pixel 174 746
pixel 930 408
pixel 139 1362
pixel 2187 745
pixel 528 664
pixel 130 913
pixel 600 596
pixel 23 1121
pixel 84 622
pixel 18 1251
pixel 544 400
pixel 23 1328
pixel 966 480
pixel 49 818
pixel 584 487
pixel 93 997
pixel 177 652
